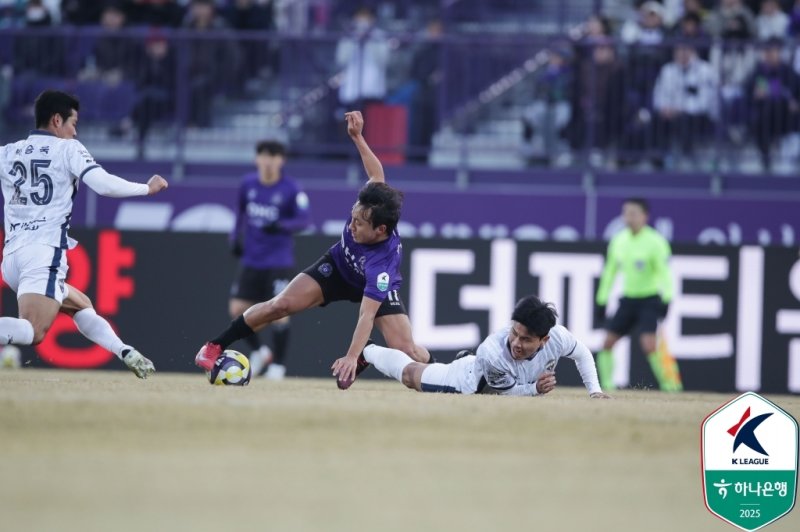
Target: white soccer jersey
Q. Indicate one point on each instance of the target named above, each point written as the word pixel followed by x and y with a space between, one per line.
pixel 40 178
pixel 495 367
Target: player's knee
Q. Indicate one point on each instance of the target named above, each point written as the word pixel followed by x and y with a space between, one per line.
pixel 411 350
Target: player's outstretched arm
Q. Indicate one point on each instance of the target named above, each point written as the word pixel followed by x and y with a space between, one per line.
pixel 585 363
pixel 112 186
pixel 355 126
pixel 344 368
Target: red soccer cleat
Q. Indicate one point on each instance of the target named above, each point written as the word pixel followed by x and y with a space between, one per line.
pixel 207 355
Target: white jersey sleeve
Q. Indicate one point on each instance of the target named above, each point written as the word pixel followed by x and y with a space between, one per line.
pixel 112 186
pixel 563 343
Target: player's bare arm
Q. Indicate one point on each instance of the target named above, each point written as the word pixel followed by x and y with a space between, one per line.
pixel 156 184
pixel 355 126
pixel 345 368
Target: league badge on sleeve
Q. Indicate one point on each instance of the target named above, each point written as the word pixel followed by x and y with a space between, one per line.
pixel 749 460
pixel 383 282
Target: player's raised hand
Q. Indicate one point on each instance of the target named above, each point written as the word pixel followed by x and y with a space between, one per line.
pixel 546 382
pixel 355 123
pixel 156 184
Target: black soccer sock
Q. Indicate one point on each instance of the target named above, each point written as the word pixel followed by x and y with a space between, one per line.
pixel 280 342
pixel 237 330
pixel 253 341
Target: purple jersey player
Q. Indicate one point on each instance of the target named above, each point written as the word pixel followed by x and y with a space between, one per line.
pixel 363 267
pixel 270 208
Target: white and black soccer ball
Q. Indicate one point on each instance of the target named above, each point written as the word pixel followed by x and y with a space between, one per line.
pixel 231 369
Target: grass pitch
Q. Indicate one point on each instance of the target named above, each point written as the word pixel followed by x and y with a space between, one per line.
pixel 102 451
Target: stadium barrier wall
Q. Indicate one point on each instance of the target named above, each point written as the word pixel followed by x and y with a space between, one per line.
pixel 527 213
pixel 734 323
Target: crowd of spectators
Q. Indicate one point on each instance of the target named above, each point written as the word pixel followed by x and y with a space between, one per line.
pixel 654 81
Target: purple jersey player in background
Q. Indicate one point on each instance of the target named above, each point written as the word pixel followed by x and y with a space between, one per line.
pixel 270 208
pixel 363 267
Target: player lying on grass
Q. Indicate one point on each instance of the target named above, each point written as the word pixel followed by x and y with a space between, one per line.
pixel 518 360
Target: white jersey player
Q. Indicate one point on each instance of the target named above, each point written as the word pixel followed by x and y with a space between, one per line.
pixel 40 177
pixel 518 360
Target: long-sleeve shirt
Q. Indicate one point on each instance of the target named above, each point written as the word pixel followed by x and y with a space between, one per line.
pixel 497 371
pixel 643 259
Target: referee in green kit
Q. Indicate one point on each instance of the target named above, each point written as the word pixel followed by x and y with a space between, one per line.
pixel 642 255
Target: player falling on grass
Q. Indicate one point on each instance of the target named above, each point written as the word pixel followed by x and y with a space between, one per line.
pixel 40 177
pixel 269 209
pixel 518 360
pixel 642 255
pixel 362 267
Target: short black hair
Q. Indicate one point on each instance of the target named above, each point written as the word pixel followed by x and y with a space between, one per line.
pixel 384 203
pixel 537 316
pixel 52 102
pixel 272 147
pixel 641 202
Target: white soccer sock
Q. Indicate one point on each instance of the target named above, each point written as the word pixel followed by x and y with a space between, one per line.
pixel 388 361
pixel 99 331
pixel 15 331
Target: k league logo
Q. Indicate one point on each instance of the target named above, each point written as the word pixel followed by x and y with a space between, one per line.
pixel 749 460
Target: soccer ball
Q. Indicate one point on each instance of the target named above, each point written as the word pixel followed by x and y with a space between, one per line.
pixel 231 369
pixel 10 357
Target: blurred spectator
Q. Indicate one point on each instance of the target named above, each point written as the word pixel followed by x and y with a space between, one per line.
pixel 690 26
pixel 734 60
pixel 109 65
pixel 646 55
pixel 648 28
pixel 728 9
pixel 158 13
pixel 81 12
pixel 772 91
pixel 794 20
pixel 213 60
pixel 155 86
pixel 112 52
pixel 597 111
pixel 685 100
pixel 364 55
pixel 550 111
pixel 427 75
pixel 259 56
pixel 596 26
pixel 772 21
pixel 698 8
pixel 250 14
pixel 38 55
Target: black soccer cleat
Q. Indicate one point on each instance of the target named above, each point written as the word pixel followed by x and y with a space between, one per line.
pixel 464 353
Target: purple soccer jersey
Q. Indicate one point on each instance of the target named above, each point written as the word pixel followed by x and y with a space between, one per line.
pixel 283 207
pixel 374 268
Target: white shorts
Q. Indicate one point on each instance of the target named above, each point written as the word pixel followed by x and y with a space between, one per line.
pixel 37 269
pixel 456 377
